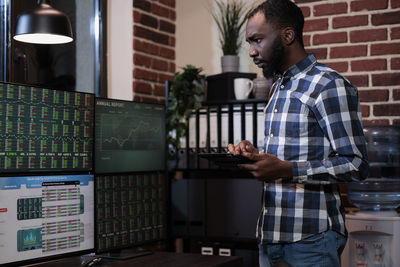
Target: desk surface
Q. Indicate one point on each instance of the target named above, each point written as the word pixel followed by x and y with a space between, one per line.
pixel 165 259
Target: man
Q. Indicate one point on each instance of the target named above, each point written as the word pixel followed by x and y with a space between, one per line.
pixel 313 140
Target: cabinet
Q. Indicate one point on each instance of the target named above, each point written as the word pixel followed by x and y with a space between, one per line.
pixel 210 204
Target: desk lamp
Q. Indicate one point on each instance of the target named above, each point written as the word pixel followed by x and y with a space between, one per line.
pixel 43 25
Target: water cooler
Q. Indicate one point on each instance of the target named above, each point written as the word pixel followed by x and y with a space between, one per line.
pixel 374 230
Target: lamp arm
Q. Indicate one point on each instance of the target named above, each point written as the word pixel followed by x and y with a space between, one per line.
pixel 22 56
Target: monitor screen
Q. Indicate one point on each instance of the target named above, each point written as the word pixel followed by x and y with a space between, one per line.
pixel 129 136
pixel 45 130
pixel 45 216
pixel 130 210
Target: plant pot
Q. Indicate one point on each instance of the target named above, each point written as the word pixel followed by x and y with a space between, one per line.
pixel 230 63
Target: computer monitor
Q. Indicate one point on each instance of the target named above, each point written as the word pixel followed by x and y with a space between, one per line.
pixel 130 210
pixel 44 130
pixel 43 217
pixel 129 136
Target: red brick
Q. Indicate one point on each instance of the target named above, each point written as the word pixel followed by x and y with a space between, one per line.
pixel 150 35
pixel 144 74
pixel 365 111
pixel 136 16
pixel 146 47
pixel 385 49
pixel 142 87
pixel 386 79
pixel 167 26
pixel 149 21
pixel 167 53
pixel 172 67
pixel 306 11
pixel 396 94
pixel 349 51
pixel 159 90
pixel 330 9
pixel 142 32
pixel 330 38
pixel 375 122
pixel 320 53
pixel 387 110
pixel 395 63
pixel 315 25
pixel 395 3
pixel 160 38
pixel 338 66
pixel 373 95
pixel 172 41
pixel 368 35
pixel 386 18
pixel 170 3
pixel 160 10
pixel 358 80
pixel 165 77
pixel 395 33
pixel 306 40
pixel 369 65
pixel 172 15
pixel 363 5
pixel 142 60
pixel 159 64
pixel 349 21
pixel 142 4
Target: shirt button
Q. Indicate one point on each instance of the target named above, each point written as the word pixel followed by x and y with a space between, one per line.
pixel 272 135
pixel 282 86
pixel 276 110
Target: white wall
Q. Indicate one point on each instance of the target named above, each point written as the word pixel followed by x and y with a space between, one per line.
pixel 197 38
pixel 120 49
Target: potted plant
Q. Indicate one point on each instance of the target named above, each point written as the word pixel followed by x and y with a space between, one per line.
pixel 230 16
pixel 184 97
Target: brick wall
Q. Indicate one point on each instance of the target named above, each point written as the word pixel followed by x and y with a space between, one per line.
pixel 153 48
pixel 361 40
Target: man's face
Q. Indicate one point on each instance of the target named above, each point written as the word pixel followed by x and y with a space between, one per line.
pixel 266 47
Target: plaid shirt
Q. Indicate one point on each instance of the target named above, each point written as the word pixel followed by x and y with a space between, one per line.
pixel 313 120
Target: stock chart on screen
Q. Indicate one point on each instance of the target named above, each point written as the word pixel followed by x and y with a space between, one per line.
pixel 45 130
pixel 129 136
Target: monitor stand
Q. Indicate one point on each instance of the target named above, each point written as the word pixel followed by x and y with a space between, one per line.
pixel 124 254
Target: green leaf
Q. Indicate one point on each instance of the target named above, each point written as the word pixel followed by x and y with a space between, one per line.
pixel 182 101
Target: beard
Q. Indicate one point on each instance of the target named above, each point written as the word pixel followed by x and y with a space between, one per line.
pixel 275 61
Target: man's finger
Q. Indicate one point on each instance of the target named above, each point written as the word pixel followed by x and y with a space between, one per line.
pixel 231 148
pixel 252 156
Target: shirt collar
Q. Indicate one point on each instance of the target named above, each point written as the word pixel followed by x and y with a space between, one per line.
pixel 304 64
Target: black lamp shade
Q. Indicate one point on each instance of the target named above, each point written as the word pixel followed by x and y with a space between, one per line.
pixel 43 25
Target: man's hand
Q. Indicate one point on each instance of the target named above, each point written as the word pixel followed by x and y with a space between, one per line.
pixel 267 167
pixel 243 146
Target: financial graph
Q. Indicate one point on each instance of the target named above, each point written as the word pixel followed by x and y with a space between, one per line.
pixel 131 133
pixel 129 136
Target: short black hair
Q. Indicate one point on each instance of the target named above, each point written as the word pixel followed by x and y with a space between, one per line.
pixel 282 14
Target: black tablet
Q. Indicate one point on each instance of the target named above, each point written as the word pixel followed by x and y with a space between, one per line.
pixel 226 159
